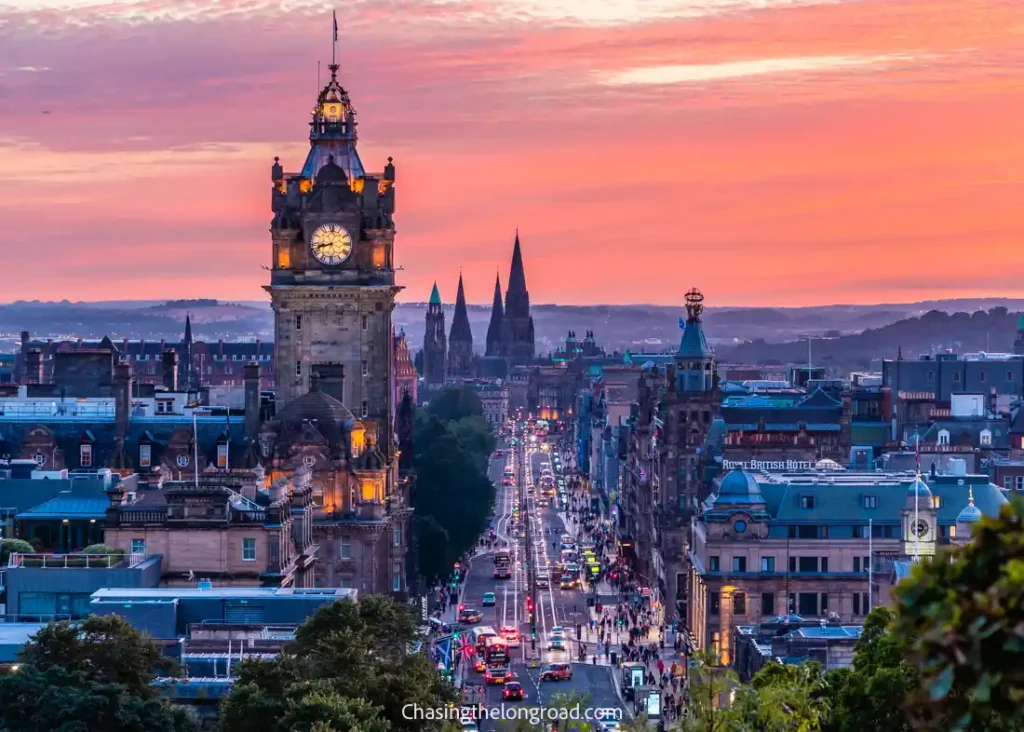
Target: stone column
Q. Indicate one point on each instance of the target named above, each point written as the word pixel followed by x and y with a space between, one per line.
pixel 725 624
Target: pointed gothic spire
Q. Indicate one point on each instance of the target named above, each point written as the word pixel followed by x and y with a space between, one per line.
pixel 497 315
pixel 460 319
pixel 517 298
pixel 435 296
pixel 188 327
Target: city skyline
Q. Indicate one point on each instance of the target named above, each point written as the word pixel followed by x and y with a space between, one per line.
pixel 842 152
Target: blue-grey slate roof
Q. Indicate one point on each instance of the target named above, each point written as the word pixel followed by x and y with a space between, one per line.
pixel 67 506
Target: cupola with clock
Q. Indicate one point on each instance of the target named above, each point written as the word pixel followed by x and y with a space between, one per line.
pixel 919 520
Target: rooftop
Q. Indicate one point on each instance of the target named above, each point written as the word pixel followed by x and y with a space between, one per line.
pixel 227 593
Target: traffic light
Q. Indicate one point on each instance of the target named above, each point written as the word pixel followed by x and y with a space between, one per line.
pixel 529 604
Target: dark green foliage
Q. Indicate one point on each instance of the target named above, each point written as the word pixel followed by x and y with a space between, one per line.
pixel 962 621
pixel 454 403
pixel 453 495
pixel 14 546
pixel 348 669
pixel 95 676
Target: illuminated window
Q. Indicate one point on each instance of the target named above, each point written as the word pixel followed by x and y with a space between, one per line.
pixel 222 456
pixel 145 456
pixel 369 491
pixel 85 456
pixel 284 259
pixel 936 502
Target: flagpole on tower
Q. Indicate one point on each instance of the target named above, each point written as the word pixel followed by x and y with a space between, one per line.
pixel 334 42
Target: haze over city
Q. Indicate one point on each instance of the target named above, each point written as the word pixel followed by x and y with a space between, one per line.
pixel 640 148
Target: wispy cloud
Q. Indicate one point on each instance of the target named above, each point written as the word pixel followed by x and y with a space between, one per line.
pixel 693 73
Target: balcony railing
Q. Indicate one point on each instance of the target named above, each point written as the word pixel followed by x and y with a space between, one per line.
pixel 74 561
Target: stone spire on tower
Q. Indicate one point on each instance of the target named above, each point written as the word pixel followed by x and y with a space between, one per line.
pixel 517 328
pixel 460 339
pixel 497 315
pixel 435 346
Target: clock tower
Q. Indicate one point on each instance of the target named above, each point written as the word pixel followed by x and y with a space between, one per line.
pixel 919 520
pixel 332 283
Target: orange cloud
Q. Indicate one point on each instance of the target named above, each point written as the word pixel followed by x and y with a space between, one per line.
pixel 796 154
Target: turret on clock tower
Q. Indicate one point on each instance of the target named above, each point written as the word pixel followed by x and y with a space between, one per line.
pixel 332 284
pixel 919 520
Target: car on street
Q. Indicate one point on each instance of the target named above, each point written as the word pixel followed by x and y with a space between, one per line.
pixel 557 643
pixel 470 726
pixel 479 664
pixel 489 600
pixel 469 615
pixel 512 636
pixel 513 691
pixel 556 672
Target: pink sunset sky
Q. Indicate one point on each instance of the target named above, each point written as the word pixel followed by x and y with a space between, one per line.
pixel 786 152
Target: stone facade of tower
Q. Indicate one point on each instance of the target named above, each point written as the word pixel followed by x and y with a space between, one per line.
pixel 517 338
pixel 461 363
pixel 332 285
pixel 435 342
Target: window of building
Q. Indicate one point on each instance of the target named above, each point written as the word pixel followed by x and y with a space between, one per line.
pixel 1020 482
pixel 1009 376
pixel 138 546
pixel 807 564
pixel 792 564
pixel 298 322
pixel 345 583
pixel 936 502
pixel 824 564
pixel 952 531
pixel 956 377
pixel 931 375
pixel 792 602
pixel 222 455
pixel 767 603
pixel 824 603
pixel 345 548
pixel 365 322
pixel 396 537
pixel 366 368
pixel 145 456
pixel 739 564
pixel 767 564
pixel 249 550
pixel 85 456
pixel 713 564
pixel 366 408
pixel 807 502
pixel 943 437
pixel 807 604
pixel 856 603
pixel 739 603
pixel 811 532
pixel 866 564
pixel 982 376
pixel 870 501
pixel 396 582
pixel 1007 482
pixel 856 564
pixel 985 438
pixel 881 532
pixel 298 368
pixel 714 601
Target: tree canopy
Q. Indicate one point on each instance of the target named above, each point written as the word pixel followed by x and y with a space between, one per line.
pixel 453 495
pixel 348 669
pixel 95 675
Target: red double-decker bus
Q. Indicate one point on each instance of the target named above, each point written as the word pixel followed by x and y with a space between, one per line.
pixel 502 564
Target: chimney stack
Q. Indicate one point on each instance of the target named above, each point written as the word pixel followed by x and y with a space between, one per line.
pixel 170 369
pixel 252 400
pixel 122 397
pixel 34 366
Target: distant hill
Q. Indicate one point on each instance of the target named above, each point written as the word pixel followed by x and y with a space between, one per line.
pixel 935 331
pixel 763 334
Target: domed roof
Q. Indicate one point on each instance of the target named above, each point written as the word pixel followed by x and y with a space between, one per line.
pixel 739 487
pixel 920 488
pixel 331 173
pixel 827 464
pixel 316 406
pixel 970 514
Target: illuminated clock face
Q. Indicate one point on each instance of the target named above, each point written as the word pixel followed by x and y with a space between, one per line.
pixel 920 528
pixel 331 244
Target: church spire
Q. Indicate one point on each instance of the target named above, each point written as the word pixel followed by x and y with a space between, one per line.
pixel 188 328
pixel 517 297
pixel 497 315
pixel 461 331
pixel 435 296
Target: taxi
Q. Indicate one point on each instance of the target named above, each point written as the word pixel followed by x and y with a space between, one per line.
pixel 512 635
pixel 557 672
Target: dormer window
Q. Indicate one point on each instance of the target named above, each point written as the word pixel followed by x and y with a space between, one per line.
pixel 807 502
pixel 222 455
pixel 145 456
pixel 985 438
pixel 85 455
pixel 936 502
pixel 869 501
pixel 943 437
